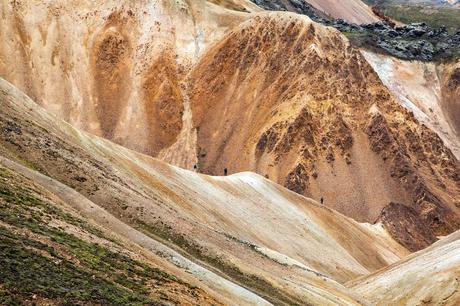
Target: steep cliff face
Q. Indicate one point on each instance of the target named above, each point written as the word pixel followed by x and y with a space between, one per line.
pixel 295 102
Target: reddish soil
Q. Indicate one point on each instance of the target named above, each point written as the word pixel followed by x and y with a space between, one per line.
pixel 297 104
pixel 163 103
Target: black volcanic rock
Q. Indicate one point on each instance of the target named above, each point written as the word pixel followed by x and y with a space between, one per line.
pixel 416 41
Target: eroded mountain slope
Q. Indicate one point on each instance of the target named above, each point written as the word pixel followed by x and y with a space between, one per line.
pixel 427 277
pixel 260 236
pixel 293 101
pixel 278 94
pixel 354 11
pixel 50 255
pixel 120 65
pixel 451 94
pixel 430 90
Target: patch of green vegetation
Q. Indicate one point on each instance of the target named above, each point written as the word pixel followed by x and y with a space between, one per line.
pixel 435 17
pixel 250 281
pixel 353 35
pixel 23 197
pixel 66 268
pixel 26 271
pixel 16 194
pixel 9 298
pixel 26 163
pixel 366 40
pixel 4 173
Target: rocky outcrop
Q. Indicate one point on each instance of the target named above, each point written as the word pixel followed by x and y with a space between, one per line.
pixel 415 41
pixel 299 7
pixel 405 223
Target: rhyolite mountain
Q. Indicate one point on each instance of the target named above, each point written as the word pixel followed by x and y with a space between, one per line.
pixel 107 106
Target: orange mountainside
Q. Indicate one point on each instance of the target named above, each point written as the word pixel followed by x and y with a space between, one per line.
pixel 344 179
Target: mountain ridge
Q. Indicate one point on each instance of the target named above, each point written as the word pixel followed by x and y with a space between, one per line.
pixel 213 153
pixel 162 92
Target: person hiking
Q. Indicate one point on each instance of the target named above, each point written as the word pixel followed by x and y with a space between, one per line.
pixel 225 171
pixel 322 200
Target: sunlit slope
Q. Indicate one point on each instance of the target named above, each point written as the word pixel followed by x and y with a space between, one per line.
pixel 451 94
pixel 51 255
pixel 281 246
pixel 113 68
pixel 355 11
pixel 428 277
pixel 223 85
pixel 430 90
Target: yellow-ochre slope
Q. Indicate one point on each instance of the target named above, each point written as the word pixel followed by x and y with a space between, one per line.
pixel 428 277
pixel 341 162
pixel 119 65
pixel 239 238
pixel 87 220
pixel 218 84
pixel 430 90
